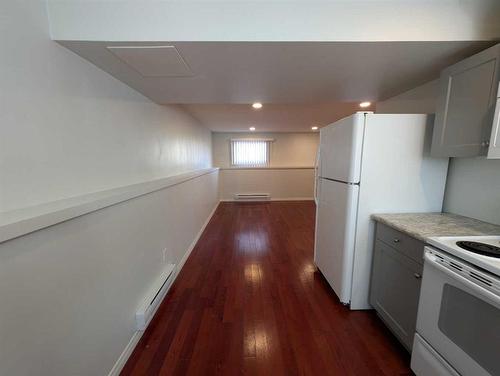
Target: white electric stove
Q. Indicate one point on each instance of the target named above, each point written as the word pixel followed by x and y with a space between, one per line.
pixel 458 322
pixel 488 259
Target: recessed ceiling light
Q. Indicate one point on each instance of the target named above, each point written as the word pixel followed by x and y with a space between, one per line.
pixel 257 105
pixel 365 104
pixel 314 128
pixel 252 128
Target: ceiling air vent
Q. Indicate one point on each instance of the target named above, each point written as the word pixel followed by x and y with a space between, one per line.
pixel 153 61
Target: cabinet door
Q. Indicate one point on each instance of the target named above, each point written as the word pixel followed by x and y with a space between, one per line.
pixel 395 291
pixel 464 114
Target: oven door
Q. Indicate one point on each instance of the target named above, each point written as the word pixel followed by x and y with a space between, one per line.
pixel 459 314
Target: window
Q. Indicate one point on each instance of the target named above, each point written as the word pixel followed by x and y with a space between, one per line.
pixel 250 153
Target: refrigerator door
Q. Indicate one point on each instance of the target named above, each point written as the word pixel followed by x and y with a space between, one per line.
pixel 341 145
pixel 335 234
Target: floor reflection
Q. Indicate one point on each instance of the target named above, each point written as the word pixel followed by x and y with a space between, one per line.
pixel 257 341
pixel 306 273
pixel 261 340
pixel 253 241
pixel 253 273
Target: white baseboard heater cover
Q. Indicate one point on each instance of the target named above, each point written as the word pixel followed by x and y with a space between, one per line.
pixel 252 196
pixel 153 299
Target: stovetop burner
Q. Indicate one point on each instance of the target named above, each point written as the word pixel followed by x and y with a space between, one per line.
pixel 481 248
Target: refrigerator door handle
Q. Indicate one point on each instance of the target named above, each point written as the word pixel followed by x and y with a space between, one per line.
pixel 316 176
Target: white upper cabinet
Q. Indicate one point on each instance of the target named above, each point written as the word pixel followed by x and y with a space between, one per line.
pixel 466 106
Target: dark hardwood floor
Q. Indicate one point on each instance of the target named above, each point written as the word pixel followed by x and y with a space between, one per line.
pixel 250 301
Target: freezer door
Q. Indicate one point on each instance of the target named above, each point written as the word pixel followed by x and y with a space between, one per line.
pixel 341 145
pixel 335 234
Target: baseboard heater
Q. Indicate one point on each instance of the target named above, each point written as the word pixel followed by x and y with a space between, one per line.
pixel 252 196
pixel 155 296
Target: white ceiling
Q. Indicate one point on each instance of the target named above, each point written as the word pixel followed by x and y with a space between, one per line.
pixel 306 60
pixel 301 84
pixel 271 117
pixel 284 72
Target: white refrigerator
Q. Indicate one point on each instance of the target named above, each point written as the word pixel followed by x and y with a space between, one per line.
pixel 369 163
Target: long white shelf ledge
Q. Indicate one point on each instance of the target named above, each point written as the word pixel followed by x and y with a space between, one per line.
pixel 19 222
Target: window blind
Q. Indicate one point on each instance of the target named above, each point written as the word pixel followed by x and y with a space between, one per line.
pixel 250 153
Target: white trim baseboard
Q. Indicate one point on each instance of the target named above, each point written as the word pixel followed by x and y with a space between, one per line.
pixel 127 351
pixel 193 244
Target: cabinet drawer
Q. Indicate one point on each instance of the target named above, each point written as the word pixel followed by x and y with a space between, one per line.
pixel 405 244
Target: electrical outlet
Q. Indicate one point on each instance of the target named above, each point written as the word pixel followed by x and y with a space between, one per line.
pixel 164 253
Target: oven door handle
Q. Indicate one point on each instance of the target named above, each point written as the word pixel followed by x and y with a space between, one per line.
pixel 432 260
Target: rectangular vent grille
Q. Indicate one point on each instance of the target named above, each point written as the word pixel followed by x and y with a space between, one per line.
pixel 467 271
pixel 155 296
pixel 252 196
pixel 480 278
pixel 456 266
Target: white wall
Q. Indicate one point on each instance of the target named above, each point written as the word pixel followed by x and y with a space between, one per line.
pixel 473 189
pixel 69 292
pixel 473 184
pixel 67 128
pixel 257 20
pixel 420 100
pixel 287 149
pixel 289 176
pixel 281 184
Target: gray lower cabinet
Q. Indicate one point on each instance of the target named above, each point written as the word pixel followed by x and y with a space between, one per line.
pixel 465 106
pixel 395 285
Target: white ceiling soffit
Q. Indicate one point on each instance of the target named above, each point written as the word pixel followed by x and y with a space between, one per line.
pixel 275 20
pixel 153 61
pixel 271 118
pixel 284 72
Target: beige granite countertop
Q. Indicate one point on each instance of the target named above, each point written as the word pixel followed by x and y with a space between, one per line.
pixel 425 225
